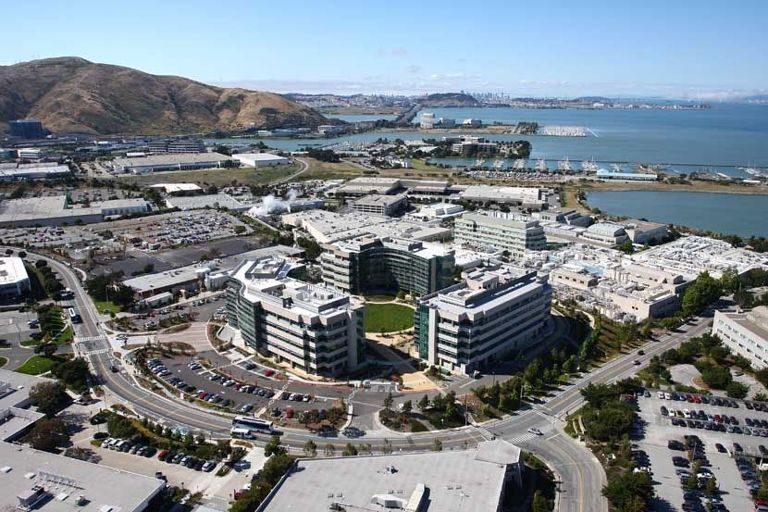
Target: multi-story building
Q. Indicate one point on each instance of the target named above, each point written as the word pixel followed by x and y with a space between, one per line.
pixel 371 264
pixel 490 314
pixel 26 128
pixel 312 328
pixel 14 281
pixel 380 204
pixel 176 146
pixel 505 231
pixel 746 334
pixel 606 234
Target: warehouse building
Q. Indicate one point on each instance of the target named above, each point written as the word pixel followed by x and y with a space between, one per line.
pixel 370 264
pixel 746 334
pixel 260 159
pixel 218 200
pixel 56 210
pixel 312 328
pixel 14 281
pixel 32 172
pixel 468 480
pixel 176 146
pixel 482 319
pixel 506 231
pixel 528 197
pixel 171 162
pixel 365 185
pixel 379 204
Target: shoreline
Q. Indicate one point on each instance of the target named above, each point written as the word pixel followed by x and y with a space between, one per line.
pixel 698 187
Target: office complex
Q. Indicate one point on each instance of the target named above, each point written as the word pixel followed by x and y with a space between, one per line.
pixel 312 328
pixel 176 146
pixel 372 264
pixel 490 313
pixel 606 234
pixel 468 480
pixel 56 210
pixel 170 162
pixel 380 204
pixel 746 334
pixel 14 281
pixel 505 231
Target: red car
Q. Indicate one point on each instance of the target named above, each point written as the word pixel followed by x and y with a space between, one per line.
pixel 697 399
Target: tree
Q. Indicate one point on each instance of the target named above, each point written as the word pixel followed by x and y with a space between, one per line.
pixel 704 291
pixel 737 390
pixel 437 445
pixel 716 376
pixel 310 448
pixel 387 447
pixel 349 450
pixel 47 434
pixel 629 492
pixel 424 403
pixel 626 247
pixel 711 486
pixel 273 447
pixel 541 503
pixel 761 397
pixel 329 450
pixel 50 397
pixel 75 373
pixel 388 401
pixel 407 407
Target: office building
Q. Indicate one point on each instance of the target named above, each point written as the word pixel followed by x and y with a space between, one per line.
pixel 644 232
pixel 439 211
pixel 527 197
pixel 467 480
pixel 506 231
pixel 27 129
pixel 746 334
pixel 260 159
pixel 427 120
pixel 161 146
pixel 313 328
pixel 14 281
pixel 171 162
pixel 379 204
pixel 491 313
pixel 364 186
pixel 607 234
pixel 370 264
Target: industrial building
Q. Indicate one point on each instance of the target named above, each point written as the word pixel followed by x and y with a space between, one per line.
pixel 370 264
pixel 527 197
pixel 506 231
pixel 170 162
pixel 218 200
pixel 14 280
pixel 469 480
pixel 32 172
pixel 364 186
pixel 26 129
pixel 491 313
pixel 645 232
pixel 379 204
pixel 16 417
pixel 56 210
pixel 180 189
pixel 746 334
pixel 605 174
pixel 260 159
pixel 312 328
pixel 439 211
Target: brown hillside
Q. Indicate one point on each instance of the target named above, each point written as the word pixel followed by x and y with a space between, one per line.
pixel 70 94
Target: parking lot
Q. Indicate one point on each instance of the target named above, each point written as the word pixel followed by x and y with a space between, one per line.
pixel 720 426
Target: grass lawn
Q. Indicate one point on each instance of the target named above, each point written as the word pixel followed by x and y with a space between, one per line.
pixel 65 336
pixel 106 306
pixel 36 365
pixel 387 318
pixel 30 343
pixel 3 361
pixel 380 298
pixel 218 177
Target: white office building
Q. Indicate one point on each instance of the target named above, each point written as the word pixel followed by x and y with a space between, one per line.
pixel 313 328
pixel 380 204
pixel 746 334
pixel 490 314
pixel 505 231
pixel 260 159
pixel 14 281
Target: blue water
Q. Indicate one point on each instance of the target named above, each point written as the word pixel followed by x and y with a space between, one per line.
pixel 716 140
pixel 357 118
pixel 738 214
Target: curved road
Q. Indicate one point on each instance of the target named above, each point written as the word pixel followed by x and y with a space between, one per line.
pixel 581 475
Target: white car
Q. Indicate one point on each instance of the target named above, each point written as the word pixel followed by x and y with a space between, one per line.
pixel 660 394
pixel 667 396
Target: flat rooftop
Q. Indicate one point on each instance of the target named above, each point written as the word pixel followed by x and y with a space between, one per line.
pixel 32 208
pixel 175 188
pixel 456 481
pixel 379 200
pixel 208 200
pixel 259 157
pixel 65 479
pixel 12 271
pixel 170 159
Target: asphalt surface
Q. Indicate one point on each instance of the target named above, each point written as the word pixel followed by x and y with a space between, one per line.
pixel 581 476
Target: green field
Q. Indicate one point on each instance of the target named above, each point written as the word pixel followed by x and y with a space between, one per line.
pixel 387 318
pixel 36 365
pixel 3 361
pixel 65 336
pixel 106 306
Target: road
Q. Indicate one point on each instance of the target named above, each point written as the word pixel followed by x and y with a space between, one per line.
pixel 581 476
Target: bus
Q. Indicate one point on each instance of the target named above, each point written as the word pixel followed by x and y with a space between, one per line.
pixel 259 425
pixel 240 433
pixel 74 316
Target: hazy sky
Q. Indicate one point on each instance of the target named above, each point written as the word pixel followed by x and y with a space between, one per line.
pixel 674 48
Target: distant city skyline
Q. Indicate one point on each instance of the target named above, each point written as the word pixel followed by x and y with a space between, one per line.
pixel 703 50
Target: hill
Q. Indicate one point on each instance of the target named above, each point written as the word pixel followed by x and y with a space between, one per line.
pixel 73 95
pixel 448 99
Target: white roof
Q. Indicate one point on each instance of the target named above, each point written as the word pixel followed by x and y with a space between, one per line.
pixel 12 271
pixel 171 188
pixel 260 157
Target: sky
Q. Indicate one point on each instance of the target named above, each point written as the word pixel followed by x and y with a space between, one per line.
pixel 678 49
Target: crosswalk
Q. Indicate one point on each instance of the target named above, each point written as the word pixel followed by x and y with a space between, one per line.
pixel 522 438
